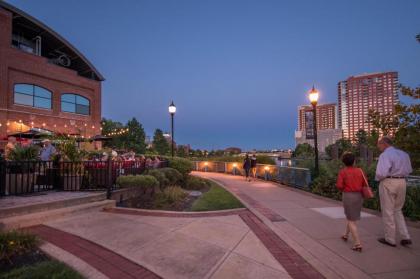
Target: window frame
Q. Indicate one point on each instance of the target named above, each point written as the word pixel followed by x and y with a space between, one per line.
pixel 33 95
pixel 75 103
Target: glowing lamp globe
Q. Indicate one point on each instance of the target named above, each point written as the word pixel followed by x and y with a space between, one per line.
pixel 313 96
pixel 172 108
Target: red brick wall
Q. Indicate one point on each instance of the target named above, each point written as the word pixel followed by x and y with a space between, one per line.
pixel 17 66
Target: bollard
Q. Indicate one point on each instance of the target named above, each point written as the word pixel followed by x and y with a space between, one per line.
pixel 266 172
pixel 234 168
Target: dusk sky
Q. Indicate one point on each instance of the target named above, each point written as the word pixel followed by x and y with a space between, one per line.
pixel 236 70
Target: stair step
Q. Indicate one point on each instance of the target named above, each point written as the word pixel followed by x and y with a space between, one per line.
pixel 49 205
pixel 32 219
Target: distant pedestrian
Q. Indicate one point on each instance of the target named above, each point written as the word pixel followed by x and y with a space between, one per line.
pixel 350 182
pixel 392 170
pixel 10 146
pixel 247 166
pixel 254 166
pixel 47 151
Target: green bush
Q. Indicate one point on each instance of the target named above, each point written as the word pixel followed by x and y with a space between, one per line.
pixel 196 183
pixel 24 153
pixel 160 176
pixel 173 175
pixel 169 197
pixel 13 243
pixel 43 270
pixel 144 181
pixel 184 166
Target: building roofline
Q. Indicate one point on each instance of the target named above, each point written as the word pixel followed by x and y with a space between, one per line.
pixel 12 8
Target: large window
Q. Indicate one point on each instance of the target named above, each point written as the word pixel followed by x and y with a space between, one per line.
pixel 75 104
pixel 32 95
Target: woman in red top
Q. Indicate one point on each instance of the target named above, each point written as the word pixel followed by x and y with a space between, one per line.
pixel 350 181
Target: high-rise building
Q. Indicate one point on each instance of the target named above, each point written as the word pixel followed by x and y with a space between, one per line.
pixel 326 116
pixel 358 94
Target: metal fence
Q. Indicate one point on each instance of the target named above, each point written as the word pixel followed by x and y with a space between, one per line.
pixel 296 177
pixel 25 177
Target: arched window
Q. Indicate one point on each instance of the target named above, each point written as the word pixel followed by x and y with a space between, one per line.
pixel 75 104
pixel 32 95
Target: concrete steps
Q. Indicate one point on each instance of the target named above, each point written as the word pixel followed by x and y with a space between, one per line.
pixel 39 217
pixel 49 204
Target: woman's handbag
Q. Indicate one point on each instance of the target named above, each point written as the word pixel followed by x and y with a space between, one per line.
pixel 367 192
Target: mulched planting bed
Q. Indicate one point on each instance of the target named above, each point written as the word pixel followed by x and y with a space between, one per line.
pixel 147 202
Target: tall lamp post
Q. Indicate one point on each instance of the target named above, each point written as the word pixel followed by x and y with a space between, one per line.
pixel 313 97
pixel 172 110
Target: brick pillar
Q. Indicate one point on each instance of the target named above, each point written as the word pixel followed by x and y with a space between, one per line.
pixel 5 42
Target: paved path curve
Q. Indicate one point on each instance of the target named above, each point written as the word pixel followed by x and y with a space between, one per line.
pixel 312 226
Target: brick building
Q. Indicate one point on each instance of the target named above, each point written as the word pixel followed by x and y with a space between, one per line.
pixel 45 82
pixel 326 116
pixel 358 94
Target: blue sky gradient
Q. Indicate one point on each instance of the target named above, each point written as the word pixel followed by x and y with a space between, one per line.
pixel 236 70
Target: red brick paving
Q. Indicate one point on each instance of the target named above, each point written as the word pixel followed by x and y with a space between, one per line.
pixel 120 210
pixel 267 212
pixel 104 260
pixel 293 263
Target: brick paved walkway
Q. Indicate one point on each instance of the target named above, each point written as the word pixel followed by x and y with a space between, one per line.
pixel 104 260
pixel 312 227
pixel 295 265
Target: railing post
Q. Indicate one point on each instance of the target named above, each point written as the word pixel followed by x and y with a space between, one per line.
pixel 109 178
pixel 2 176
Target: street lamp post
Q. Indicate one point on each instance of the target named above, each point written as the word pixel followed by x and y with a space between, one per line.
pixel 172 110
pixel 313 97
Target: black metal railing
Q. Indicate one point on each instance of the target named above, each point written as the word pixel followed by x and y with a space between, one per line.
pixel 25 177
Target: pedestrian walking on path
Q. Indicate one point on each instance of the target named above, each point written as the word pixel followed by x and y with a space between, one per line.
pixel 254 166
pixel 247 166
pixel 350 181
pixel 392 170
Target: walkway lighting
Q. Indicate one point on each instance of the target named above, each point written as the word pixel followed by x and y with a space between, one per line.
pixel 172 110
pixel 313 98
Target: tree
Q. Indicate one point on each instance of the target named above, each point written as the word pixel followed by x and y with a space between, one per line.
pixel 160 144
pixel 134 139
pixel 343 145
pixel 407 136
pixel 108 127
pixel 385 123
pixel 304 150
pixel 361 137
pixel 181 151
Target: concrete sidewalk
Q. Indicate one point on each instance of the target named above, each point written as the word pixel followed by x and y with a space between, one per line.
pixel 312 226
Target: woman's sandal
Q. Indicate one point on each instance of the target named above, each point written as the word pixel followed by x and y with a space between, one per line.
pixel 344 238
pixel 357 248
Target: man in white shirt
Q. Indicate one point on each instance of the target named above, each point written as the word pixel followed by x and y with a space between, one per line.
pixel 393 167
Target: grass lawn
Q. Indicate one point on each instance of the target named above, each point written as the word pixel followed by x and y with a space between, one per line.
pixel 217 198
pixel 43 270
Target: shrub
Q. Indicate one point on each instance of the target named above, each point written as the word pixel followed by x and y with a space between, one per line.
pixel 196 183
pixel 45 269
pixel 24 153
pixel 15 243
pixel 160 176
pixel 264 159
pixel 174 194
pixel 184 166
pixel 144 181
pixel 169 197
pixel 173 175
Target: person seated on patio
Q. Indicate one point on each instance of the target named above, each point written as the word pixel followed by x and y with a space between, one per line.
pixel 156 163
pixel 149 163
pixel 47 150
pixel 9 147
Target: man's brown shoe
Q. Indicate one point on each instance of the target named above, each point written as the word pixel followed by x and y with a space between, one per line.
pixel 406 242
